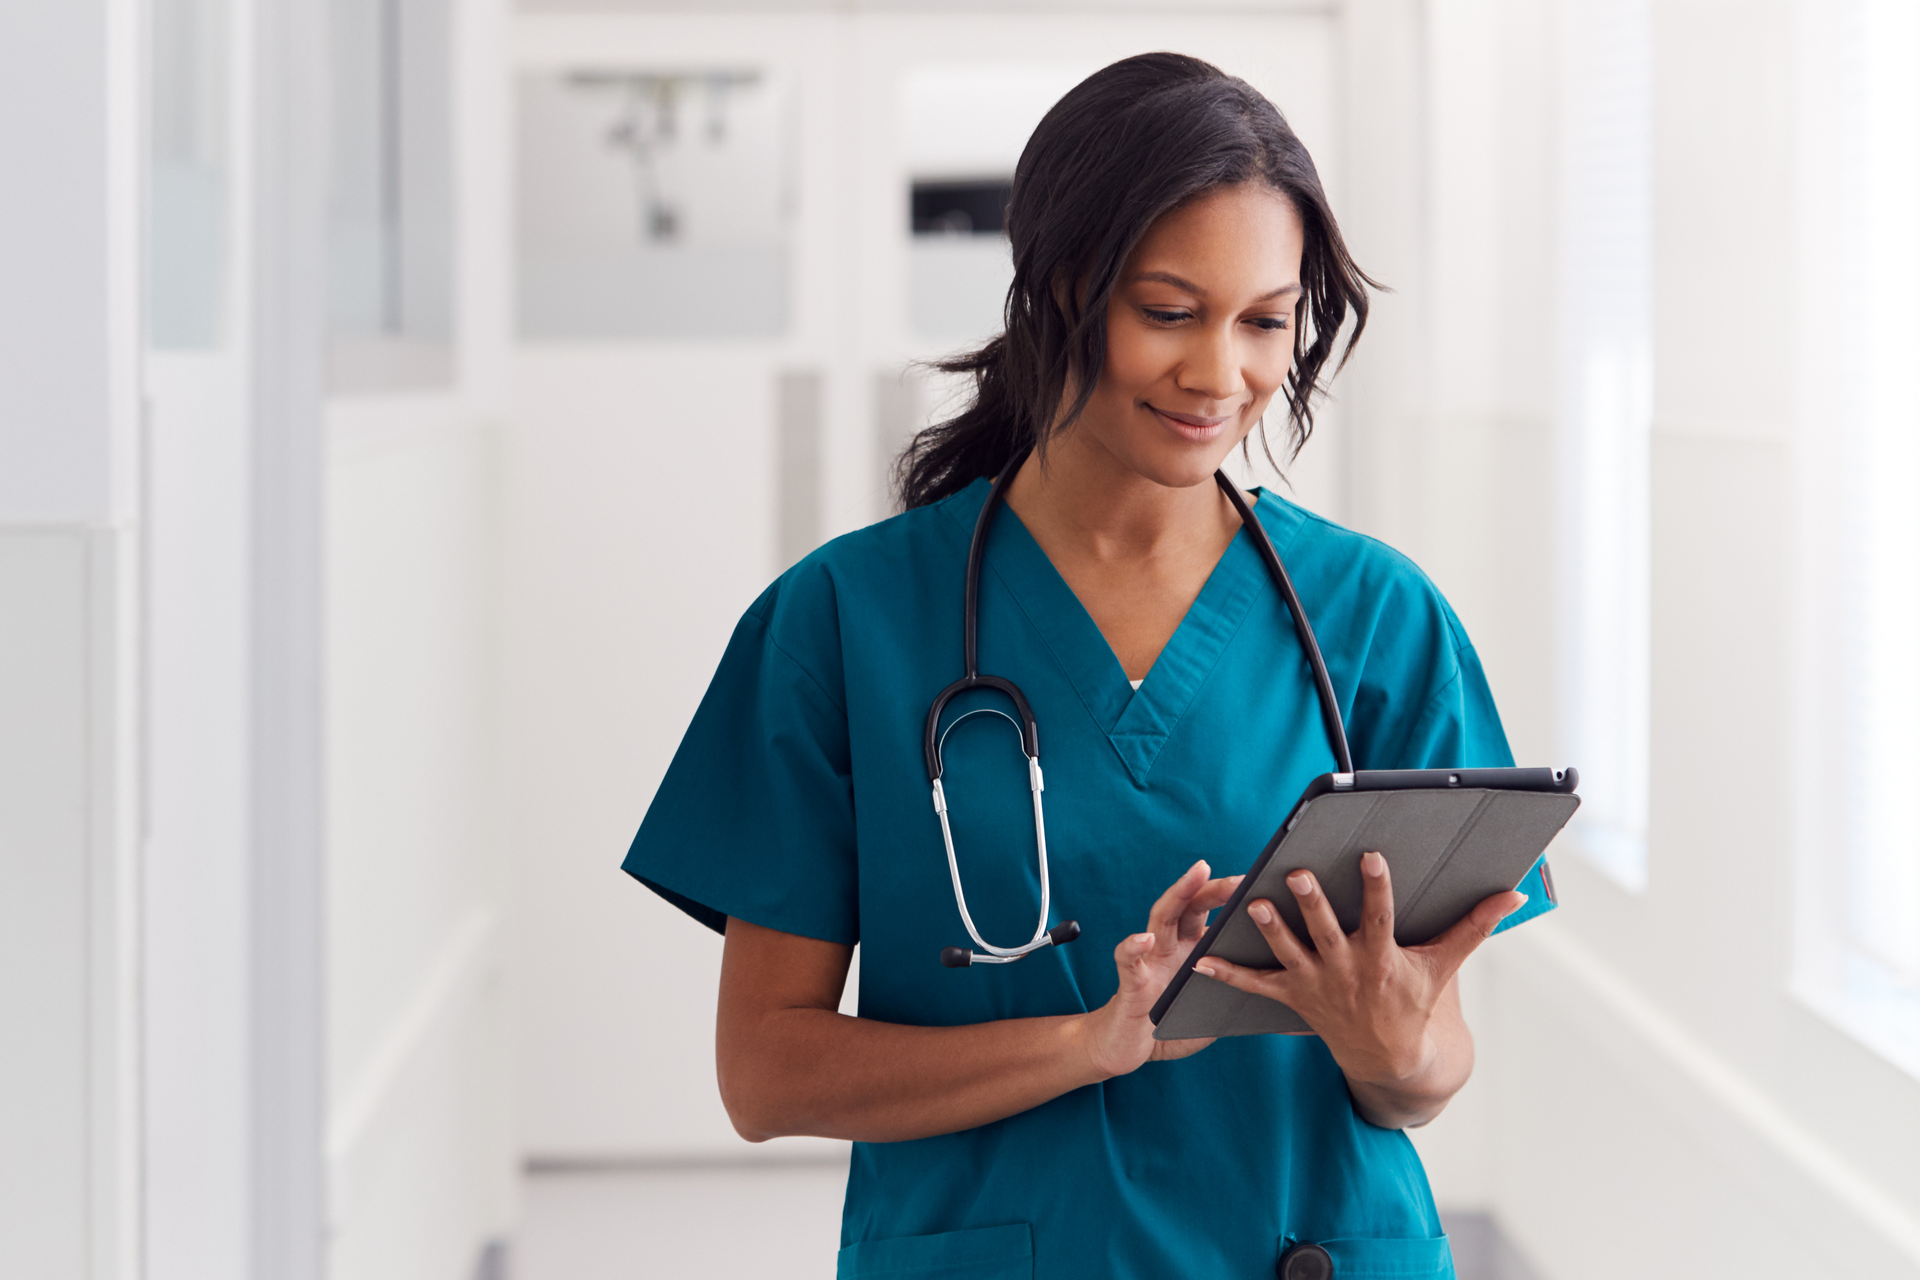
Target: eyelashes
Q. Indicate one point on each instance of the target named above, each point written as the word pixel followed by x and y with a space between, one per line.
pixel 1266 324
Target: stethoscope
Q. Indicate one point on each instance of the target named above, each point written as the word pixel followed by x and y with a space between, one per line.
pixel 936 738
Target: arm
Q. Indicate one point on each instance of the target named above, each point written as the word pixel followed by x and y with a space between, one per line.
pixel 790 1063
pixel 1390 1015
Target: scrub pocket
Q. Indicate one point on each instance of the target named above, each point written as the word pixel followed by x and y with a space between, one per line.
pixel 1411 1259
pixel 985 1253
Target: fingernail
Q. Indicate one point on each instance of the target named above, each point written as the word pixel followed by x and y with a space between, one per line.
pixel 1261 913
pixel 1200 866
pixel 1373 864
pixel 1207 969
pixel 1301 883
pixel 1523 902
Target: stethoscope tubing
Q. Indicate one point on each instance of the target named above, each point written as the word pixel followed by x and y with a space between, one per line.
pixel 934 738
pixel 1037 785
pixel 1322 682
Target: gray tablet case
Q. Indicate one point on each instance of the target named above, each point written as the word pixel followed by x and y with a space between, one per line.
pixel 1448 843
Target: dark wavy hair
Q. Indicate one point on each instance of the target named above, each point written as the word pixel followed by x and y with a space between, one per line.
pixel 1126 146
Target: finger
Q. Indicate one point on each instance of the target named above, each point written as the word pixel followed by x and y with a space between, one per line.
pixel 1212 894
pixel 1329 939
pixel 1376 903
pixel 1131 959
pixel 1164 920
pixel 1170 1050
pixel 1450 950
pixel 1287 949
pixel 1215 892
pixel 1261 982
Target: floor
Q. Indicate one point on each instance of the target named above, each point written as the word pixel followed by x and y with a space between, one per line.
pixel 735 1222
pixel 714 1222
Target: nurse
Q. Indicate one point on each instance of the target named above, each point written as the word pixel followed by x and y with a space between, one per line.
pixel 1177 271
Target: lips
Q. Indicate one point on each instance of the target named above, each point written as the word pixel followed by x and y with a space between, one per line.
pixel 1191 426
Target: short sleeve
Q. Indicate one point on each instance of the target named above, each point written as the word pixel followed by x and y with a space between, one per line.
pixel 754 818
pixel 1459 728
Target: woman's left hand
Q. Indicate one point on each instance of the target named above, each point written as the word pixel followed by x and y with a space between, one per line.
pixel 1388 1014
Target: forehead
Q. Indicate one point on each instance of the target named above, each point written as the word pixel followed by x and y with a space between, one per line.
pixel 1243 238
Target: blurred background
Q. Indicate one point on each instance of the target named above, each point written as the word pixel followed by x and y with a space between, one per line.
pixel 401 399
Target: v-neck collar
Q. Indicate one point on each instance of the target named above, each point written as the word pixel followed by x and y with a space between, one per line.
pixel 1137 723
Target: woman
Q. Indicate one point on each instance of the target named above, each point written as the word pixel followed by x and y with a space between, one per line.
pixel 1176 268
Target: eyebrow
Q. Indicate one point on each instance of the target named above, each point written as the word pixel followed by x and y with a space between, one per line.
pixel 1167 277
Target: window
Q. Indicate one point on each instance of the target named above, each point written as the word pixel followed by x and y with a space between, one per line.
pixel 655 203
pixel 187 205
pixel 1858 954
pixel 1604 421
pixel 390 200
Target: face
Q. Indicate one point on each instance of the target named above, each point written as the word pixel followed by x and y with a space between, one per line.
pixel 1199 335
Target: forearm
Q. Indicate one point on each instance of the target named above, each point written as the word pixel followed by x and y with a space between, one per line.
pixel 1415 1095
pixel 818 1072
pixel 790 1063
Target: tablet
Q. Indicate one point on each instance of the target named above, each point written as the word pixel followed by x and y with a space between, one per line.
pixel 1452 838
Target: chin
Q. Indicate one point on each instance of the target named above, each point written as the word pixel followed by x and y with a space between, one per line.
pixel 1179 468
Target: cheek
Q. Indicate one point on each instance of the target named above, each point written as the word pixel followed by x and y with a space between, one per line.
pixel 1137 358
pixel 1267 372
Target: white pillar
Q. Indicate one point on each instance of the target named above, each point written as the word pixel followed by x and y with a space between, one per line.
pixel 68 633
pixel 232 894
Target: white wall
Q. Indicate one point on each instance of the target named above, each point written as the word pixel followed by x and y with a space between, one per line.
pixel 51 634
pixel 195 947
pixel 421 1164
pixel 68 133
pixel 67 633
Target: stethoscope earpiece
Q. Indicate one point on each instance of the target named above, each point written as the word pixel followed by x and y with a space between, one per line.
pixel 1058 936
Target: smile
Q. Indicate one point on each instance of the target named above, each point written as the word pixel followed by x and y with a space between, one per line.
pixel 1190 427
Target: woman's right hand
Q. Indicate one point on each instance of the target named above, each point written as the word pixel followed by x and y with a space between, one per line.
pixel 1119 1034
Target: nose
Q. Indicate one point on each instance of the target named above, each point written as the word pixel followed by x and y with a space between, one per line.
pixel 1211 365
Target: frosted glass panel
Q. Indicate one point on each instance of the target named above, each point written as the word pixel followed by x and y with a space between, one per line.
pixel 390 198
pixel 187 202
pixel 1857 952
pixel 653 204
pixel 1605 420
pixel 1881 472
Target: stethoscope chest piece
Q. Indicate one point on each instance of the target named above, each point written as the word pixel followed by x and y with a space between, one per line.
pixel 1305 1261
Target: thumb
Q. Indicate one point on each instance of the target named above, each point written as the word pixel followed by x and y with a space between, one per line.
pixel 1452 948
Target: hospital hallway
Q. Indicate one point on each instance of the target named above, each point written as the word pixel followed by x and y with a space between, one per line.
pixel 405 405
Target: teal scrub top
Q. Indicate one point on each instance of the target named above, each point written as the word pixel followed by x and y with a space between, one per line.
pixel 799 801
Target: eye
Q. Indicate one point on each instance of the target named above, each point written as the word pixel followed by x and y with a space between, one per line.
pixel 1269 324
pixel 1161 315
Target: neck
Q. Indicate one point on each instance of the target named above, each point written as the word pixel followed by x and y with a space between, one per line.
pixel 1082 495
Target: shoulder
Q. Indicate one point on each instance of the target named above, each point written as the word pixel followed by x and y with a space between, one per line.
pixel 1389 636
pixel 1357 579
pixel 1415 692
pixel 874 573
